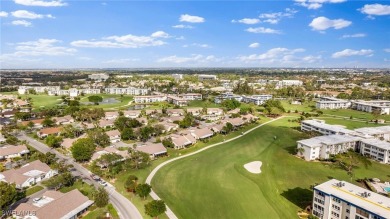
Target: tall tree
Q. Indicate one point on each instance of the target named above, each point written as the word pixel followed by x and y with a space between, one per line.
pixel 131 183
pixel 53 141
pixel 99 137
pixel 155 208
pixel 349 161
pixel 82 149
pixel 95 99
pixel 7 194
pixel 143 190
pixel 101 197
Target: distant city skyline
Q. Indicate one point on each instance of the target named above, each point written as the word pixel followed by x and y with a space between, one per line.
pixel 194 34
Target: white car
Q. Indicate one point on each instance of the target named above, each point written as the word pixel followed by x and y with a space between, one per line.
pixel 103 183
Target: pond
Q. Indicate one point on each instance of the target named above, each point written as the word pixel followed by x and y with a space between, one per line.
pixel 137 107
pixel 105 101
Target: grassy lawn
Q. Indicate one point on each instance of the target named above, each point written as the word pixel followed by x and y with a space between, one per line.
pixel 112 106
pixel 33 190
pixel 143 173
pixel 350 124
pixel 355 114
pixel 101 213
pixel 214 184
pixel 82 187
pixel 306 106
pixel 201 103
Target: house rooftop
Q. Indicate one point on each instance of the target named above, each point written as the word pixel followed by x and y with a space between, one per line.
pixel 10 149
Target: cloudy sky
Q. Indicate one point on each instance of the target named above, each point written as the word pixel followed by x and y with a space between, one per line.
pixel 126 34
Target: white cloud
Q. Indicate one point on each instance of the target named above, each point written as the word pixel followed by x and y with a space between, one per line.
pixel 376 9
pixel 191 18
pixel 120 61
pixel 351 52
pixel 41 47
pixel 160 34
pixel 254 45
pixel 126 41
pixel 182 26
pixel 281 57
pixel 85 58
pixel 356 35
pixel 195 58
pixel 247 21
pixel 55 3
pixel 274 18
pixel 29 15
pixel 21 23
pixel 263 30
pixel 3 14
pixel 323 23
pixel 316 4
pixel 197 45
pixel 387 50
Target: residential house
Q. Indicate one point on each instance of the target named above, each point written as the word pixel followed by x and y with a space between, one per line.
pixel 110 150
pixel 28 174
pixel 111 115
pixel 43 133
pixel 169 126
pixel 132 113
pixel 194 111
pixel 10 151
pixel 175 112
pixel 106 123
pixel 114 135
pixel 178 101
pixel 182 141
pixel 54 204
pixel 37 123
pixel 64 120
pixel 153 149
pixel 202 133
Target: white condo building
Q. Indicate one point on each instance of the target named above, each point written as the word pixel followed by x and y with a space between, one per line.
pixel 207 77
pixel 370 106
pixel 376 149
pixel 336 199
pixel 323 146
pixel 149 99
pixel 320 126
pixel 98 77
pixel 126 90
pixel 256 99
pixel 38 89
pixel 332 103
pixel 287 83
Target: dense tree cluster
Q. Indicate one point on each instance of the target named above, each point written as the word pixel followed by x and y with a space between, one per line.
pixel 231 104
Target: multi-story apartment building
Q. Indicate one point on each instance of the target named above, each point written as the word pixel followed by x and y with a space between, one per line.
pixel 98 77
pixel 286 83
pixel 383 107
pixel 190 96
pixel 38 89
pixel 375 149
pixel 325 129
pixel 323 146
pixel 336 199
pixel 207 77
pixel 332 103
pixel 149 99
pixel 380 132
pixel 126 90
pixel 256 99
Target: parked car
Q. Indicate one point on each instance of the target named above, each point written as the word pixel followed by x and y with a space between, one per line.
pixel 103 183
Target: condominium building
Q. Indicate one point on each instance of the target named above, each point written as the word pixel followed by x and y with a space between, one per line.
pixel 336 199
pixel 286 83
pixel 191 96
pixel 207 77
pixel 127 90
pixel 178 101
pixel 332 103
pixel 149 99
pixel 326 129
pixel 227 96
pixel 383 107
pixel 376 149
pixel 177 77
pixel 323 146
pixel 37 89
pixel 380 132
pixel 256 99
pixel 98 77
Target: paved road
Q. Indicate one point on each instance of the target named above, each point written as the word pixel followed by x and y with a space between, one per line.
pixel 169 212
pixel 124 207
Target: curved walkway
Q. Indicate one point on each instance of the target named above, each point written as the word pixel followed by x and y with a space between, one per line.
pixel 169 212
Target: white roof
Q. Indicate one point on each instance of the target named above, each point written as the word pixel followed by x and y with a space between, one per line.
pixel 335 128
pixel 348 192
pixel 328 140
pixel 374 130
pixel 377 143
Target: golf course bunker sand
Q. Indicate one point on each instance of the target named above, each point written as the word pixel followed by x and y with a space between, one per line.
pixel 253 167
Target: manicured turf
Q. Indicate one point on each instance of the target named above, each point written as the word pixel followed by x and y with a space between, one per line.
pixel 33 190
pixel 214 184
pixel 101 213
pixel 355 114
pixel 200 103
pixel 350 124
pixel 82 187
pixel 306 106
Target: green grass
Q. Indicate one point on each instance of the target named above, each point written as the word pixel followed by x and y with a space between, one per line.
pixel 101 213
pixel 306 106
pixel 201 103
pixel 214 184
pixel 355 114
pixel 350 124
pixel 82 187
pixel 33 190
pixel 143 173
pixel 124 101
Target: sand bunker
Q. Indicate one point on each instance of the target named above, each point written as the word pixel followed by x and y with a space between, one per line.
pixel 253 167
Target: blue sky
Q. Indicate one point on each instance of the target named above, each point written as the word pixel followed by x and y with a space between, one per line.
pixel 133 34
